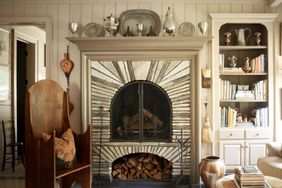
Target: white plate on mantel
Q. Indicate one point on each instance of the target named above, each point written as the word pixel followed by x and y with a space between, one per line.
pixel 94 30
pixel 146 17
pixel 186 29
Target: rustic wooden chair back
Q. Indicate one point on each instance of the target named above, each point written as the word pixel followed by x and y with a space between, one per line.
pixel 47 111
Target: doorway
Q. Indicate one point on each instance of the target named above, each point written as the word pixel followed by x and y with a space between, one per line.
pixel 27 67
pixel 21 87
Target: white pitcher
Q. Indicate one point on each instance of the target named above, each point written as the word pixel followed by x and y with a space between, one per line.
pixel 241 38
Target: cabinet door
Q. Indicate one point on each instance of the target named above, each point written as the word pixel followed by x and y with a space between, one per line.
pixel 253 150
pixel 232 152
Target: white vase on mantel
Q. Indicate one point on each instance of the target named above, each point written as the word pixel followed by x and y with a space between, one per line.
pixel 169 26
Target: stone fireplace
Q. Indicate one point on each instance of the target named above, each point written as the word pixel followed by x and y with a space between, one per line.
pixel 146 109
pixel 140 96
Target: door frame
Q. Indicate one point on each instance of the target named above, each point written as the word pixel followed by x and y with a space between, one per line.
pixel 30 21
pixel 31 73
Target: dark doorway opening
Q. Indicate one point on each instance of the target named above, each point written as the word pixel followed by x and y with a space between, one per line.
pixel 141 111
pixel 21 88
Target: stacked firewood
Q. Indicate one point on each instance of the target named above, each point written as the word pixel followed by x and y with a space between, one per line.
pixel 142 166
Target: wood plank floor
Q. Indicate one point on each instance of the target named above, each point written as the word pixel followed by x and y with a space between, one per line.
pixel 9 179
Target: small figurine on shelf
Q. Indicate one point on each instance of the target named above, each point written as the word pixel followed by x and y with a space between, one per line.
pixel 257 38
pixel 247 67
pixel 232 61
pixel 227 39
pixel 111 24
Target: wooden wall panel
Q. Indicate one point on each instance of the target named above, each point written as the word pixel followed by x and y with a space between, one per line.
pixel 179 14
pixel 224 8
pixel 247 8
pixel 132 5
pixel 19 10
pixel 86 13
pixel 213 8
pixel 258 8
pixel 98 13
pixel 52 10
pixel 41 10
pixel 190 12
pixel 110 9
pixel 29 10
pixel 144 5
pixel 75 16
pixel 120 8
pixel 202 15
pixel 7 10
pixel 237 8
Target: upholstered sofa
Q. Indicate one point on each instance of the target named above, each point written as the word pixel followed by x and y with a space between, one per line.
pixel 271 165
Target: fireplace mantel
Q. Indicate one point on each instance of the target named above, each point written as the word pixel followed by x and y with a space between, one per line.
pixel 113 44
pixel 146 48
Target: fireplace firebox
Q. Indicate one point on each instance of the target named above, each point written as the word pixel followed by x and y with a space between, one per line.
pixel 141 111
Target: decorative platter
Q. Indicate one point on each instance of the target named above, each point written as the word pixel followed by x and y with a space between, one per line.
pixel 186 29
pixel 94 30
pixel 131 18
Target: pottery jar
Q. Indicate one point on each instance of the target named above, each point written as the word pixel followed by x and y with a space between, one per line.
pixel 211 169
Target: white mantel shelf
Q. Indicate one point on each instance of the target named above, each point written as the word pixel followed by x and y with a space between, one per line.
pixel 113 44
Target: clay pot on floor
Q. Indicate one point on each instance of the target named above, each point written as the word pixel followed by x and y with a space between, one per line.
pixel 211 169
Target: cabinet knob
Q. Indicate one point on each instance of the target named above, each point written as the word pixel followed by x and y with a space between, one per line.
pixel 257 134
pixel 242 146
pixel 230 134
pixel 246 146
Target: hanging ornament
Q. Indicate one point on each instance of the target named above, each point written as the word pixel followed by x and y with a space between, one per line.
pixel 207 134
pixel 67 65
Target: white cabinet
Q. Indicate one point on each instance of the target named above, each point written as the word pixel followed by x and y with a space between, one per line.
pixel 238 94
pixel 239 147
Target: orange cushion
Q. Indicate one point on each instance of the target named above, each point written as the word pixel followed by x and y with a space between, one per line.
pixel 64 147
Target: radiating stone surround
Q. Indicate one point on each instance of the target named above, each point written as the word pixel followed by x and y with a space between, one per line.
pixel 174 77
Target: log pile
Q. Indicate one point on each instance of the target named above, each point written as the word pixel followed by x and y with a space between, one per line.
pixel 142 166
pixel 151 121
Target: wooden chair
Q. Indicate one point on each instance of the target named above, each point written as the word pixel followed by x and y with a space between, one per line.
pixel 11 147
pixel 47 111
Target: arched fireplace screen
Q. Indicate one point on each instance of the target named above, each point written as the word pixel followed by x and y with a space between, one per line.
pixel 141 111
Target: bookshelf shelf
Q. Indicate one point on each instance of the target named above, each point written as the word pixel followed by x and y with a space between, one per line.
pixel 242 47
pixel 242 87
pixel 227 73
pixel 243 101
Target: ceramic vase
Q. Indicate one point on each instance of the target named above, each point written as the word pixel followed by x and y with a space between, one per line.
pixel 211 169
pixel 169 25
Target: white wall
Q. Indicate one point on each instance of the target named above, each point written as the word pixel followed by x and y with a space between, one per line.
pixel 85 11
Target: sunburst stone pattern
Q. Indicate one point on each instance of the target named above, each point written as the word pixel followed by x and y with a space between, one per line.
pixel 173 76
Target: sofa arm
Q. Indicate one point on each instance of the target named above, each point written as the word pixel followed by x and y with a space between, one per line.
pixel 274 149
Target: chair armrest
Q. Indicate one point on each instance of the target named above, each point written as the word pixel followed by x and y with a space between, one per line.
pixel 274 149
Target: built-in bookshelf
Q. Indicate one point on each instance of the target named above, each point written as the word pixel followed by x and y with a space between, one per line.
pixel 243 75
pixel 242 80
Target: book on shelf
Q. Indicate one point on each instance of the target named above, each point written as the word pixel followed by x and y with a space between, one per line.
pixel 228 117
pixel 258 64
pixel 244 124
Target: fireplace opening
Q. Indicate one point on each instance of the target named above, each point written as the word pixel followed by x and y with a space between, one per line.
pixel 142 166
pixel 141 111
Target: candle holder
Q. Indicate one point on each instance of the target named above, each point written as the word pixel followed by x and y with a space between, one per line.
pixel 140 28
